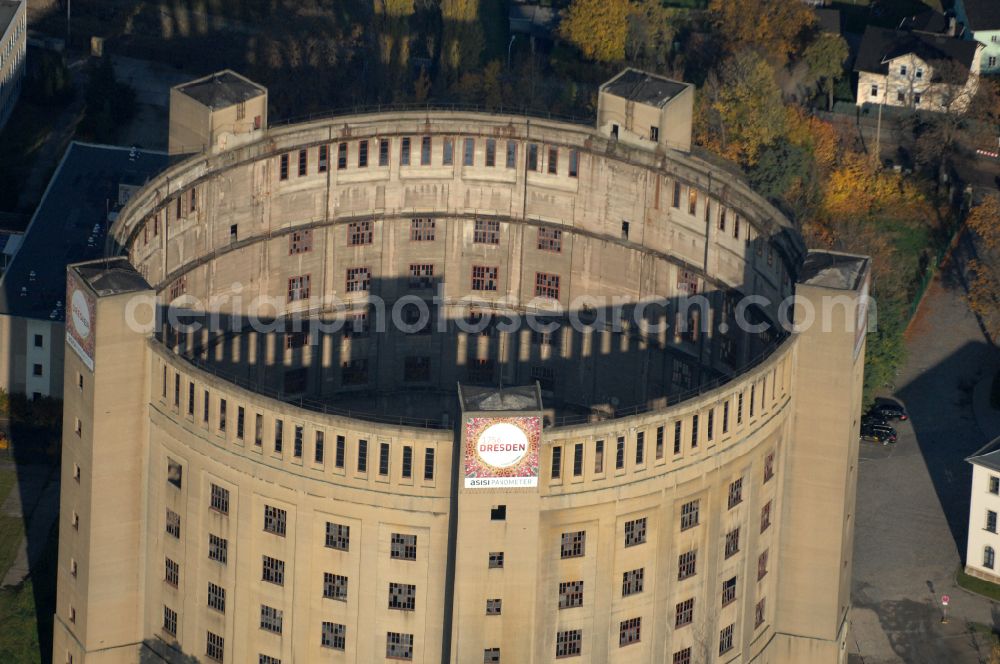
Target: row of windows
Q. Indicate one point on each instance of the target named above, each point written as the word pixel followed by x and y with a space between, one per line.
pixel 736 490
pixel 220 500
pixel 359 153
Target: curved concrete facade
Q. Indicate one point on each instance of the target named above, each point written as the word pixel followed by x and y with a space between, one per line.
pixel 219 502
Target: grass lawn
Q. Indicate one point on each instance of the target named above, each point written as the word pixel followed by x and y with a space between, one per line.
pixel 978 586
pixel 11 527
pixel 26 611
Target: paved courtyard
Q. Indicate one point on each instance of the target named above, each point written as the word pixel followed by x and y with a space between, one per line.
pixel 913 500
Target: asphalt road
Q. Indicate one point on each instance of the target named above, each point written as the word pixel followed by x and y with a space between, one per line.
pixel 913 500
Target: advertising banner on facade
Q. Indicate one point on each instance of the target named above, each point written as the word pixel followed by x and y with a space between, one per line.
pixel 502 452
pixel 80 313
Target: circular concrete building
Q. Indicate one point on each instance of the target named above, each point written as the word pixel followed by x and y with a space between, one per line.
pixel 459 387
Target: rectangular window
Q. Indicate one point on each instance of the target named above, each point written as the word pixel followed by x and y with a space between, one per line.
pixel 689 515
pixel 362 456
pixel 578 460
pixel 629 631
pixel 402 547
pixel 635 532
pixel 425 151
pixel 298 288
pixel 283 167
pixel 991 521
pixel 694 431
pixel 486 231
pixel 533 157
pixel 569 643
pixel 692 201
pixel 556 472
pixel 190 408
pixel 175 471
pixel 279 435
pixel 739 408
pixel 358 279
pixel 994 484
pixel 383 459
pixel 273 570
pixel 404 151
pixel 297 443
pixel 573 544
pixel 768 467
pixel 219 499
pixel 222 414
pixel 398 646
pixel 169 621
pixel 676 202
pixel 620 453
pixel 275 520
pixel 402 596
pixel 710 429
pixel 324 158
pixel 172 574
pixel 687 565
pixel 599 457
pixel 334 586
pixel 632 582
pixel 735 492
pixel 429 463
pixel 318 449
pixel 496 560
pixel 684 613
pixel 574 163
pixel 240 421
pixel 216 597
pixel 383 152
pixel 491 152
pixel 448 151
pixel 498 513
pixel 334 636
pixel 338 457
pixel 359 233
pixel 765 516
pixel 363 154
pixel 570 594
pixel 640 447
pixel 726 639
pixel 725 417
pixel 550 239
pixel 677 437
pixel 341 156
pixel 271 619
pixel 762 565
pixel 553 163
pixel 654 134
pixel 732 542
pixel 215 647
pixel 407 461
pixel 659 442
pixel 758 613
pixel 218 549
pixel 728 591
pixel 484 277
pixel 469 151
pixel 300 242
pixel 493 607
pixel 303 162
pixel 547 285
pixel 174 523
pixel 422 230
pixel 511 154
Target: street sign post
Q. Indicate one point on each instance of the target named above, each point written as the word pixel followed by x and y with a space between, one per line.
pixel 945 599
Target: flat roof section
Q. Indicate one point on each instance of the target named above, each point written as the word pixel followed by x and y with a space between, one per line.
pixel 111 276
pixel 73 210
pixel 644 87
pixel 8 9
pixel 523 397
pixel 832 269
pixel 221 89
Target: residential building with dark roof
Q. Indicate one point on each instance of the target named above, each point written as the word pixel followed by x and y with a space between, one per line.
pixel 982 21
pixel 915 69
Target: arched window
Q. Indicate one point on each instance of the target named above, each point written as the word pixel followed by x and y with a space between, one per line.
pixel 988 555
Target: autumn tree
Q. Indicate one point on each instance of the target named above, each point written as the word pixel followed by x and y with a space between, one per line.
pixel 462 39
pixel 741 108
pixel 599 28
pixel 776 27
pixel 825 57
pixel 984 220
pixel 651 31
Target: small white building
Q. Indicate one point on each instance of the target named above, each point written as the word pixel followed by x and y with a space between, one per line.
pixel 918 70
pixel 984 508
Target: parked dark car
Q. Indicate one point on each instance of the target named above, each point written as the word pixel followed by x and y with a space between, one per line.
pixel 888 411
pixel 874 419
pixel 878 433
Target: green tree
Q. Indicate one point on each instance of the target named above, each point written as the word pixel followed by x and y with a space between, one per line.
pixel 776 27
pixel 741 108
pixel 780 166
pixel 825 57
pixel 462 39
pixel 599 28
pixel 651 31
